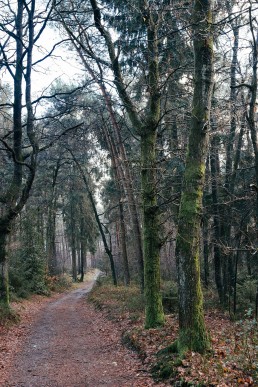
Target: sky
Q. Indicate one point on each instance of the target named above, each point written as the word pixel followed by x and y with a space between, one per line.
pixel 60 65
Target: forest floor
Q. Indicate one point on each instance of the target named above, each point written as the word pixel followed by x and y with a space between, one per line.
pixel 63 341
pixel 231 361
pixel 72 340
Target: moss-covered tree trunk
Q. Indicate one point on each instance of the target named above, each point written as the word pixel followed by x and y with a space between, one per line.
pixel 192 333
pixel 154 315
pixel 151 238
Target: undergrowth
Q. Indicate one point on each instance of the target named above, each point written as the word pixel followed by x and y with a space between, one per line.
pixel 59 283
pixel 8 316
pixel 118 301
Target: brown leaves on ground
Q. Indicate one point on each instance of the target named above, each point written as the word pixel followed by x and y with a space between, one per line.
pixel 232 361
pixel 12 335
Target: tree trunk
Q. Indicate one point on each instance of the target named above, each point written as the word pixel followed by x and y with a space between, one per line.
pixel 226 216
pixel 51 240
pixel 206 253
pixel 192 331
pixel 123 244
pixel 4 282
pixel 151 245
pixel 73 242
pixel 126 183
pixel 83 251
pixel 215 171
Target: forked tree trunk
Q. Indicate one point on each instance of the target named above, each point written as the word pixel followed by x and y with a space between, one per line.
pixel 192 331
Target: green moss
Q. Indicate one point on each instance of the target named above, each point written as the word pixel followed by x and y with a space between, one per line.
pixel 195 339
pixel 151 230
pixel 172 348
pixel 163 370
pixel 194 171
pixel 154 316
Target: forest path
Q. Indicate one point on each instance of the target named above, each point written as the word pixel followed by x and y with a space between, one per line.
pixel 71 344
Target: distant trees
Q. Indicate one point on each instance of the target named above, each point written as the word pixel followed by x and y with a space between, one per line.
pixel 91 57
pixel 228 200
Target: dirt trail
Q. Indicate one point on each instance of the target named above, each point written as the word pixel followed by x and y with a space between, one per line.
pixel 71 345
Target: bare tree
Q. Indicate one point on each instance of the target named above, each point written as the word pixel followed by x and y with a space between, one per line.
pixel 20 29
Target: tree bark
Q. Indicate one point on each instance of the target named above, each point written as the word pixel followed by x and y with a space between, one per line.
pixel 192 331
pixel 4 280
pixel 83 250
pixel 73 240
pixel 215 169
pixel 123 243
pixel 151 238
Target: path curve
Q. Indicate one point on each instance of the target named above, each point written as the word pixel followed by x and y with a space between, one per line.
pixel 73 345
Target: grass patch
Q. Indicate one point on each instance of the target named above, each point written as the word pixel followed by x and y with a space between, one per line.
pixel 118 301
